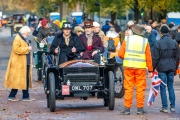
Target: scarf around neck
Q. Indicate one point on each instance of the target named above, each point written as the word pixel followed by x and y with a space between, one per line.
pixel 66 39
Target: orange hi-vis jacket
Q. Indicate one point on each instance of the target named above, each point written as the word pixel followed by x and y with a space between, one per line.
pixel 147 55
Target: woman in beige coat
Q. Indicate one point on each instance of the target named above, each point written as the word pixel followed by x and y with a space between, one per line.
pixel 19 70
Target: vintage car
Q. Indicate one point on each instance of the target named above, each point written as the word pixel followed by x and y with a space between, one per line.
pixel 17 23
pixel 40 55
pixel 82 78
pixel 79 78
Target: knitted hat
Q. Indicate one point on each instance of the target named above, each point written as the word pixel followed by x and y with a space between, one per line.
pixel 164 29
pixel 96 24
pixel 44 22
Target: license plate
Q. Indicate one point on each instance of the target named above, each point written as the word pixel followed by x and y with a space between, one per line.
pixel 65 90
pixel 81 88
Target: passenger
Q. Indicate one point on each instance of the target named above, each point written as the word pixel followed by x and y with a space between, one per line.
pixel 35 32
pixel 78 30
pixel 67 43
pixel 92 43
pixel 47 29
pixel 98 31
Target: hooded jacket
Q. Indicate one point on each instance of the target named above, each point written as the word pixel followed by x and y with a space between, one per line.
pixel 165 55
pixel 106 27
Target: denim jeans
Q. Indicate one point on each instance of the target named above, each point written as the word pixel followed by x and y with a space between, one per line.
pixel 167 78
pixel 25 92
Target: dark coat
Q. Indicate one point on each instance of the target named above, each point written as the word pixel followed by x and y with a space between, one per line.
pixel 165 55
pixel 43 33
pixel 35 32
pixel 151 40
pixel 96 45
pixel 106 27
pixel 178 41
pixel 74 42
pixel 178 38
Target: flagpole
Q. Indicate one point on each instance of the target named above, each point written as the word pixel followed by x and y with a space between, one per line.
pixel 163 83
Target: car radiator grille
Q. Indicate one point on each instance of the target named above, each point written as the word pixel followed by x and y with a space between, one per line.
pixel 81 70
pixel 81 77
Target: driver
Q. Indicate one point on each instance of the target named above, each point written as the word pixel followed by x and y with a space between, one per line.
pixel 67 44
pixel 47 29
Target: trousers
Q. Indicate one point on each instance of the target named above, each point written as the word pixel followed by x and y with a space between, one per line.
pixel 134 77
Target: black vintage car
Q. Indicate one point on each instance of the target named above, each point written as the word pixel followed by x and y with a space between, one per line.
pixel 79 78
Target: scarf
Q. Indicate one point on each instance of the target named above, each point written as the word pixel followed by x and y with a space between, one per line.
pixel 66 39
pixel 89 41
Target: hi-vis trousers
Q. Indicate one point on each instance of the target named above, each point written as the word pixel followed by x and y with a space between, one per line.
pixel 134 77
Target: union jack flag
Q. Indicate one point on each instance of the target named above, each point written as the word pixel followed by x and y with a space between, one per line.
pixel 155 83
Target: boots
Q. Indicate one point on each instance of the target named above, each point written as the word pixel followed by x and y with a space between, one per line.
pixel 126 111
pixel 141 111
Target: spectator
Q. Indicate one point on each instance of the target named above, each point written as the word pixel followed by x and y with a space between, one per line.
pixel 117 27
pixel 154 29
pixel 144 24
pixel 106 27
pixel 19 70
pixel 151 37
pixel 172 31
pixel 165 61
pixel 111 24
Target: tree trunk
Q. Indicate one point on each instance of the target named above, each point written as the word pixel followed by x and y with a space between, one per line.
pixel 136 11
pixel 162 16
pixel 61 10
pixel 113 17
pixel 92 16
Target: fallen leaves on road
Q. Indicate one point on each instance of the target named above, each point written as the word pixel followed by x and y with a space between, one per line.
pixel 4 109
pixel 23 116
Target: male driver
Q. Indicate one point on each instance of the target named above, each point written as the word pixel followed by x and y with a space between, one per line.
pixel 92 43
pixel 47 29
pixel 68 43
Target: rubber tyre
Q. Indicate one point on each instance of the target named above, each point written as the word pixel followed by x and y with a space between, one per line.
pixel 39 75
pixel 47 97
pixel 105 102
pixel 111 92
pixel 52 92
pixel 121 92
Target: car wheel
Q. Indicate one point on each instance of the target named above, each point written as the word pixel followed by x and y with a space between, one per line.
pixel 85 98
pixel 119 86
pixel 47 97
pixel 105 102
pixel 111 93
pixel 52 92
pixel 39 75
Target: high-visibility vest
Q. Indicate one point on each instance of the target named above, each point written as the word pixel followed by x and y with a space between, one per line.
pixel 135 52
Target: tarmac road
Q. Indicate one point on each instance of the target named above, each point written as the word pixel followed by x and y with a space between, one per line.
pixel 70 108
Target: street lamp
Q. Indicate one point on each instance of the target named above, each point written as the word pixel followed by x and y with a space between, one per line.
pixel 98 4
